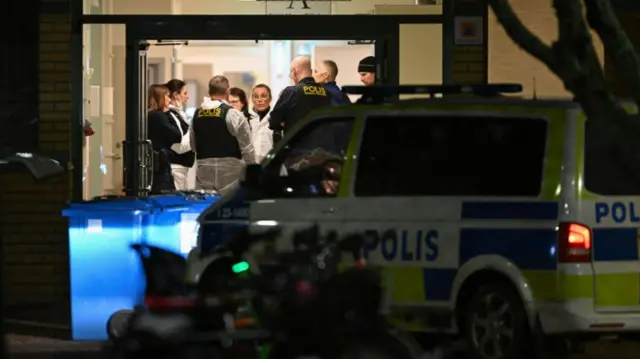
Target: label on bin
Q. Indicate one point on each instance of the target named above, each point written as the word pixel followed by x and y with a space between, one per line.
pixel 188 232
pixel 239 211
pixel 94 226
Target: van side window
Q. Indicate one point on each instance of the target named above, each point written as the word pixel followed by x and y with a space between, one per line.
pixel 310 164
pixel 607 171
pixel 451 156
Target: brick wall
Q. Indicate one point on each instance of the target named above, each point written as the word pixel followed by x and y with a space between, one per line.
pixel 34 234
pixel 469 61
pixel 469 64
pixel 508 63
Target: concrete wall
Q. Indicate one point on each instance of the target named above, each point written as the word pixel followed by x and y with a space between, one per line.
pixel 223 57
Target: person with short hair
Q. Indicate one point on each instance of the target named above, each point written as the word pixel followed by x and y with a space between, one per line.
pixel 326 75
pixel 295 102
pixel 221 138
pixel 261 135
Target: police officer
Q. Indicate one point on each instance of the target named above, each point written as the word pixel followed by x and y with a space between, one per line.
pixel 326 74
pixel 296 101
pixel 221 138
pixel 367 71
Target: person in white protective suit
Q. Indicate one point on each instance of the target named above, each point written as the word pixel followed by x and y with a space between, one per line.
pixel 181 157
pixel 221 138
pixel 261 135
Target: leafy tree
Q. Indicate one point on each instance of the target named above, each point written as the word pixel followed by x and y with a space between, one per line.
pixel 572 57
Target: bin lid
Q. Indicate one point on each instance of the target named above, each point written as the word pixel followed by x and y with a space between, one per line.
pixel 109 204
pixel 180 201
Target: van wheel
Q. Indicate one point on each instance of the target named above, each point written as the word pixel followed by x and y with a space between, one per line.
pixel 496 323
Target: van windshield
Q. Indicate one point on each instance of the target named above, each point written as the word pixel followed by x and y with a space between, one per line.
pixel 606 172
pixel 301 168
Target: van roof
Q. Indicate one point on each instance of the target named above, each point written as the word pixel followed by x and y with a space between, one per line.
pixel 488 101
pixel 478 94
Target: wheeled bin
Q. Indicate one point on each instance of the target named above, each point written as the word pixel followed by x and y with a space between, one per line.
pixel 178 214
pixel 106 275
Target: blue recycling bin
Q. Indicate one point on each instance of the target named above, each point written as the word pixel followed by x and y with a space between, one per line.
pixel 105 274
pixel 222 223
pixel 177 217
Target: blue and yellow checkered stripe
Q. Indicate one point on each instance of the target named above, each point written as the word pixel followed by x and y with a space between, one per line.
pixel 533 250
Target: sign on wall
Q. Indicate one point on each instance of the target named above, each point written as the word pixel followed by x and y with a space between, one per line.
pixel 299 7
pixel 469 30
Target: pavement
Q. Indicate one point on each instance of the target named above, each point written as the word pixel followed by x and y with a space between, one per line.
pixel 26 347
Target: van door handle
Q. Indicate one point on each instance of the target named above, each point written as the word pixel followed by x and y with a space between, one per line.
pixel 328 210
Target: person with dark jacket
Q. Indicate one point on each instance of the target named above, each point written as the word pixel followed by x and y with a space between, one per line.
pixel 221 137
pixel 326 75
pixel 367 70
pixel 295 102
pixel 162 134
pixel 181 157
pixel 238 100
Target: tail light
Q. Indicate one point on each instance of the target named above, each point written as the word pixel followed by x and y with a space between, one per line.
pixel 574 243
pixel 360 263
pixel 164 303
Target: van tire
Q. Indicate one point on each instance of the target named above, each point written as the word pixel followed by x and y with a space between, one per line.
pixel 495 316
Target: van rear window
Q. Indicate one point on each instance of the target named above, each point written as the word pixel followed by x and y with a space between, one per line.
pixel 606 172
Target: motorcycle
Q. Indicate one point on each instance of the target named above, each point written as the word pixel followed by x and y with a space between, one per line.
pixel 285 305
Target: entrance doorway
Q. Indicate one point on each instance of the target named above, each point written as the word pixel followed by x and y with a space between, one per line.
pixel 409 50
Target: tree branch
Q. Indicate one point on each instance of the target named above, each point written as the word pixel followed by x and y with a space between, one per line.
pixel 574 60
pixel 618 48
pixel 522 37
pixel 571 46
pixel 582 68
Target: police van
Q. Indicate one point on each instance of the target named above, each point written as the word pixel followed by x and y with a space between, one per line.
pixel 495 217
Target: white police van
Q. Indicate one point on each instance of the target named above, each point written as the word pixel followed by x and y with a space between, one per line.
pixel 496 218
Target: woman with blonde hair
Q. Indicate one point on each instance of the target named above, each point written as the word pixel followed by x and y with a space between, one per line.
pixel 163 134
pixel 261 135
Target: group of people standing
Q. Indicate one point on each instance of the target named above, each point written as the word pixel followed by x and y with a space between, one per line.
pixel 227 132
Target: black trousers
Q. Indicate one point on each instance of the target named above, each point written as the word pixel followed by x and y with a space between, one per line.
pixel 163 181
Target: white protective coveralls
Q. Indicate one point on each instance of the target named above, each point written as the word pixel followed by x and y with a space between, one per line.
pixel 261 135
pixel 223 174
pixel 180 172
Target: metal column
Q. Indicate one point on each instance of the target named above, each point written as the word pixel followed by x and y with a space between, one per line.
pixel 138 152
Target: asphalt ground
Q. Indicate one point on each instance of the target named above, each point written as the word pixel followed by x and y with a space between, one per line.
pixel 25 347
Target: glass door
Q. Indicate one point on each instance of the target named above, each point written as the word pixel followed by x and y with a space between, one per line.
pixel 138 172
pixel 103 118
pixel 386 31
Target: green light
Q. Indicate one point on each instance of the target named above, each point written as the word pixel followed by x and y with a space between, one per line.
pixel 240 267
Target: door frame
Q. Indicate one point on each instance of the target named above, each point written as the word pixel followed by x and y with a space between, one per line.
pixel 384 29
